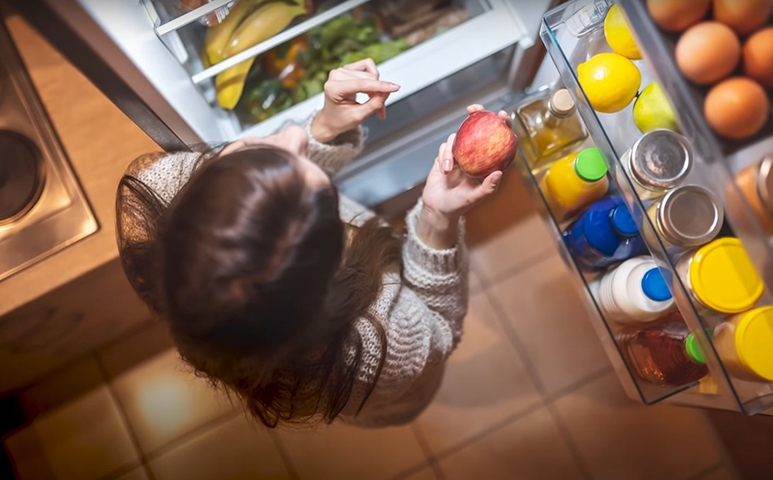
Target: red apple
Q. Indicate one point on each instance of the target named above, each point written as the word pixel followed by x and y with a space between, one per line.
pixel 484 144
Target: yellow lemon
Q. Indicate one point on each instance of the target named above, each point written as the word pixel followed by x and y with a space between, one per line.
pixel 619 36
pixel 610 81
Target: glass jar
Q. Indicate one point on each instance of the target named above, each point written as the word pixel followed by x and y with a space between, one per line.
pixel 756 184
pixel 658 161
pixel 720 278
pixel 687 216
pixel 745 344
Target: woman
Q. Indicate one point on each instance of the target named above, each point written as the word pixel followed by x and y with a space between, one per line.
pixel 302 303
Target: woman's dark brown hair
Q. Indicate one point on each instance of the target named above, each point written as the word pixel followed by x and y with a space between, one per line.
pixel 260 281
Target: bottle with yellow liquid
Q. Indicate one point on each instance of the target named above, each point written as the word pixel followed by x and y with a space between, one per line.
pixel 575 181
pixel 551 126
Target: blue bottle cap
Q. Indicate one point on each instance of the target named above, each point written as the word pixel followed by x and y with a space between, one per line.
pixel 654 285
pixel 622 222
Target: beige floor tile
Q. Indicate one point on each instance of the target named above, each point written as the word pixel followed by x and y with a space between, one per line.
pixel 546 312
pixel 136 474
pixel 505 232
pixel 474 282
pixel 341 452
pixel 618 438
pixel 530 448
pixel 720 474
pixel 484 383
pixel 236 449
pixel 523 242
pixel 85 439
pixel 62 387
pixel 134 349
pixel 164 400
pixel 424 474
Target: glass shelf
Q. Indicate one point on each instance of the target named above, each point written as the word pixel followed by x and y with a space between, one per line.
pixel 573 33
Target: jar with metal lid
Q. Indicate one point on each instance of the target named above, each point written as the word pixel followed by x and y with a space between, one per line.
pixel 745 344
pixel 658 161
pixel 687 216
pixel 720 278
pixel 756 184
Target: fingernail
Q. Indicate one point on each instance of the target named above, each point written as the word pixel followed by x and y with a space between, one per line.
pixel 447 165
pixel 394 87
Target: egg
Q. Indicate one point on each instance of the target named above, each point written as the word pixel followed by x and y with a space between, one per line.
pixel 708 52
pixel 736 108
pixel 758 57
pixel 677 15
pixel 743 16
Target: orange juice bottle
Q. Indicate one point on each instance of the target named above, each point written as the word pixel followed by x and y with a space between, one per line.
pixel 574 182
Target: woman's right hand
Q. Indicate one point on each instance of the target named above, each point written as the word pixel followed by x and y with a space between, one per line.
pixel 341 111
pixel 449 193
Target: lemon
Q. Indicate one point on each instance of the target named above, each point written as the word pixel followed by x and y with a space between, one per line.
pixel 619 36
pixel 610 81
pixel 653 111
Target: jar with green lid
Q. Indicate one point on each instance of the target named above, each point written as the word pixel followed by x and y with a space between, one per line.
pixel 688 216
pixel 720 278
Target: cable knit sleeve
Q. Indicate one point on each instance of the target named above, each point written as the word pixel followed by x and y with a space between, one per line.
pixel 438 277
pixel 338 153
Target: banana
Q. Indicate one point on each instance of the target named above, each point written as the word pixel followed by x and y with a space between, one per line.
pixel 219 35
pixel 265 22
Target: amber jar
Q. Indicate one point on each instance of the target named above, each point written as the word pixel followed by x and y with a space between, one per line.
pixel 756 184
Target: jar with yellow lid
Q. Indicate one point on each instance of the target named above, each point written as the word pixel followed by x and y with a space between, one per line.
pixel 745 345
pixel 756 185
pixel 721 278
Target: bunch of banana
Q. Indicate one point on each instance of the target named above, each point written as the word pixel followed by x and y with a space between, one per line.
pixel 248 23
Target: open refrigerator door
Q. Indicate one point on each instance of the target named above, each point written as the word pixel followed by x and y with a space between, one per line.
pixel 651 203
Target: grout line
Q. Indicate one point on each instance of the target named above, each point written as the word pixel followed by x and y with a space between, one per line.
pixel 422 442
pixel 488 431
pixel 574 450
pixel 516 269
pixel 573 387
pixel 283 454
pixel 191 435
pixel 122 413
pixel 438 471
pixel 705 472
pixel 517 344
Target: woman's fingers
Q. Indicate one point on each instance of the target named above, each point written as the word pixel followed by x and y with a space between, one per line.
pixel 364 65
pixel 345 88
pixel 447 156
pixel 490 183
pixel 506 118
pixel 475 108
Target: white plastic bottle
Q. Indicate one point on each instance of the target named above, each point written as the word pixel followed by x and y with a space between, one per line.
pixel 635 291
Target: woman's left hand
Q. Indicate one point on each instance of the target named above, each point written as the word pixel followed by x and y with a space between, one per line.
pixel 341 111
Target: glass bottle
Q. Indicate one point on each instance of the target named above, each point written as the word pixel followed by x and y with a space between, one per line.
pixel 665 354
pixel 603 235
pixel 552 125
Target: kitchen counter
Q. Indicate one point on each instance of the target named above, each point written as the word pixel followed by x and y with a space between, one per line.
pixel 99 141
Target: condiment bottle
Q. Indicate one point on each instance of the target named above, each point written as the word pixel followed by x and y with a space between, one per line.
pixel 756 184
pixel 720 277
pixel 575 181
pixel 551 124
pixel 687 216
pixel 744 343
pixel 635 291
pixel 658 161
pixel 665 353
pixel 603 235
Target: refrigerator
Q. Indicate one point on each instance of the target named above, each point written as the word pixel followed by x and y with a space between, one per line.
pixel 146 55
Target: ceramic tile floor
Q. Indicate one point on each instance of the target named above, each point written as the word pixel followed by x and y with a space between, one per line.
pixel 528 395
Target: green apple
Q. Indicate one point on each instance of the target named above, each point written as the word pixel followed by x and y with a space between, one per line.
pixel 652 110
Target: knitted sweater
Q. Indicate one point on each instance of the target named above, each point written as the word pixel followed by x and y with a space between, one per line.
pixel 421 310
